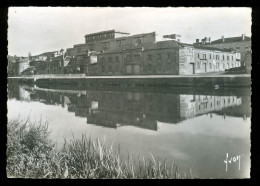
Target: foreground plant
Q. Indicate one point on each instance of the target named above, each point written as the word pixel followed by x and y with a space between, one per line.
pixel 30 154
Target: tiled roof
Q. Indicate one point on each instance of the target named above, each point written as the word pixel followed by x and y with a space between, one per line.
pixel 231 39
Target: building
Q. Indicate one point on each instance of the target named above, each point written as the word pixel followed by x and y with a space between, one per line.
pixel 240 44
pixel 202 59
pixel 56 65
pixel 46 56
pixel 109 40
pixel 118 53
pixel 166 57
pixel 23 64
pixel 46 63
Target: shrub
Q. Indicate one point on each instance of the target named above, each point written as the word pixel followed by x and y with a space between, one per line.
pixel 31 155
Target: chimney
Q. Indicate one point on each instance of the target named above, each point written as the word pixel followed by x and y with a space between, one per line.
pixel 197 41
pixel 223 39
pixel 209 40
pixel 203 41
pixel 243 37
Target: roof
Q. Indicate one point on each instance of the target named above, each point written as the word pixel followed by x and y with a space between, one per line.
pixel 79 45
pixel 102 32
pixel 205 47
pixel 231 39
pixel 46 54
pixel 211 48
pixel 146 46
pixel 133 36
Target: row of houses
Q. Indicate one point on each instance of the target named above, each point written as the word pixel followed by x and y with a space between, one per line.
pixel 119 53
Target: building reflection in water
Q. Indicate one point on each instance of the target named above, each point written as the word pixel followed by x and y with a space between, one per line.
pixel 116 109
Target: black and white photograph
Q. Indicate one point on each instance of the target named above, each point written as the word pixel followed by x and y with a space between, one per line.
pixel 129 93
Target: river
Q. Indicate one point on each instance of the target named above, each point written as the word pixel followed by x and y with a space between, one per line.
pixel 195 129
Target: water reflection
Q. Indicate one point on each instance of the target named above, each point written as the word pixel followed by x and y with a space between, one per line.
pixel 116 109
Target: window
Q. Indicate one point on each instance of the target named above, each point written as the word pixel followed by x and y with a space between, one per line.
pixel 91 47
pixel 198 55
pixel 223 57
pixel 209 56
pixel 117 68
pixel 149 57
pixel 110 59
pixel 79 50
pixel 204 56
pixel 232 58
pixel 150 67
pixel 120 43
pixel 105 46
pixel 159 67
pixel 168 56
pixel 128 58
pixel 103 68
pixel 169 67
pixel 228 58
pixel 210 66
pixel 117 59
pixel 103 60
pixel 159 56
pixel 110 68
pixel 136 57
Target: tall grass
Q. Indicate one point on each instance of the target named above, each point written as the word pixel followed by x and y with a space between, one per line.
pixel 30 154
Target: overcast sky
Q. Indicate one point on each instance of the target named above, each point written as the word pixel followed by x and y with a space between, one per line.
pixel 43 29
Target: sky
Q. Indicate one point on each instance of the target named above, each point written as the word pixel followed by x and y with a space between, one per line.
pixel 44 29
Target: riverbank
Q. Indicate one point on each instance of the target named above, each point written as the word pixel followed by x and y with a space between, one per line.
pixel 30 154
pixel 237 80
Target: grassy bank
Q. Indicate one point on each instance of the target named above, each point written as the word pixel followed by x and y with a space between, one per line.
pixel 30 154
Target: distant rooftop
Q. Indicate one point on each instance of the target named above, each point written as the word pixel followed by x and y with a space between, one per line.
pixel 107 31
pixel 163 45
pixel 46 54
pixel 231 39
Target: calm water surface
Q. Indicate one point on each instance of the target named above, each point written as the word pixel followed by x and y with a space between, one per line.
pixel 193 130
